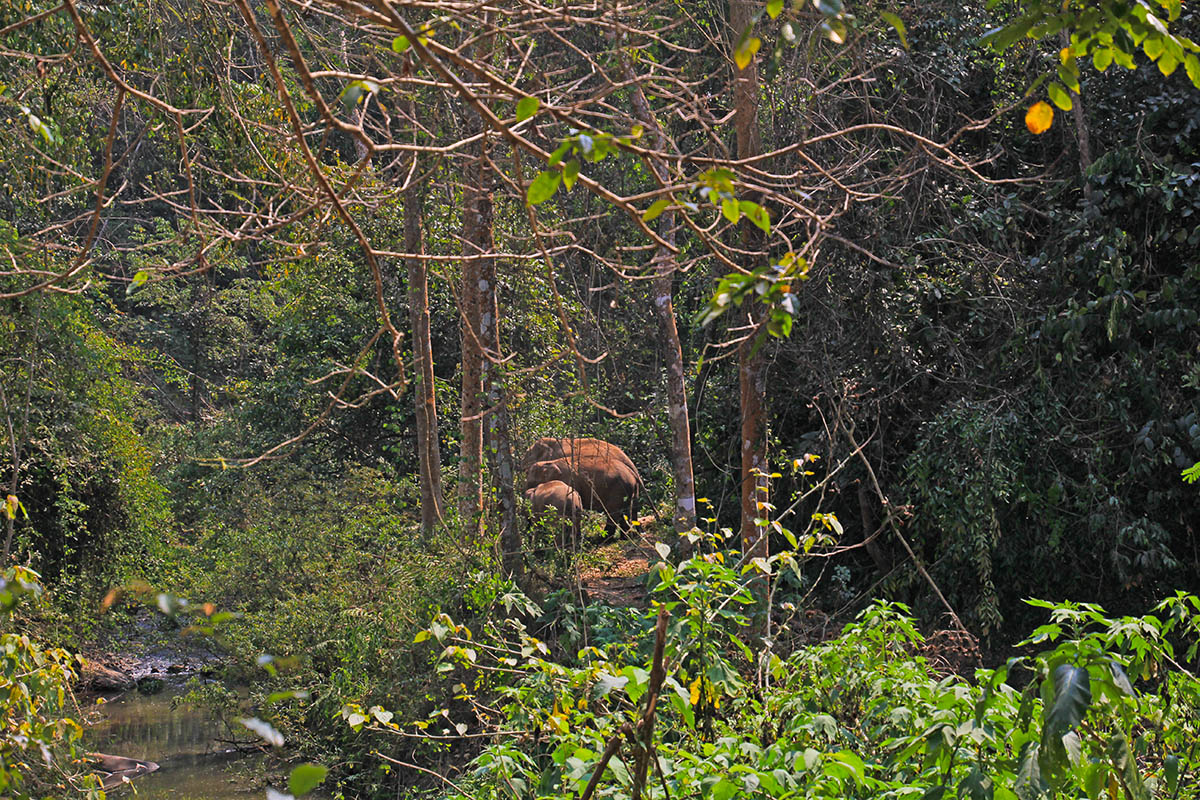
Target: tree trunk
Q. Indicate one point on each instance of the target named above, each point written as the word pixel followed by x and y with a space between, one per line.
pixel 751 363
pixel 470 465
pixel 497 444
pixel 424 398
pixel 665 265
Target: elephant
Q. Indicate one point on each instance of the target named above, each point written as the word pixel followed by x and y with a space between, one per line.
pixel 566 501
pixel 548 448
pixel 604 484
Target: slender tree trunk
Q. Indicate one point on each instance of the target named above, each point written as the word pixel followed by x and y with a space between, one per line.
pixel 1079 115
pixel 17 442
pixel 751 363
pixel 497 443
pixel 470 465
pixel 665 266
pixel 424 398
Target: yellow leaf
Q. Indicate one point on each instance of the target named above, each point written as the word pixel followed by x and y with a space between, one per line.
pixel 744 54
pixel 1039 117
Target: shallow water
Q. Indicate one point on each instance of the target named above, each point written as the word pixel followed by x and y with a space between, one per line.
pixel 186 743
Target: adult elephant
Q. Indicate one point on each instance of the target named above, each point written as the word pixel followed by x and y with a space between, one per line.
pixel 566 501
pixel 604 484
pixel 548 448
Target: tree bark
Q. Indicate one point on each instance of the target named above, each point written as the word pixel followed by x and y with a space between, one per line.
pixel 751 362
pixel 665 266
pixel 497 443
pixel 1078 114
pixel 424 399
pixel 470 465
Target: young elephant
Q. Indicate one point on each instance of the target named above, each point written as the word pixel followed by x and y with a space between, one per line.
pixel 603 484
pixel 565 500
pixel 548 448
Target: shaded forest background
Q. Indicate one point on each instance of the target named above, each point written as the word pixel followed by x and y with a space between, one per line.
pixel 1006 325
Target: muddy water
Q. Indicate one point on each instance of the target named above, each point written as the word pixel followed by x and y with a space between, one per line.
pixel 194 762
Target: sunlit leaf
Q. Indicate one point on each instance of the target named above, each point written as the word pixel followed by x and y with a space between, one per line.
pixel 743 54
pixel 729 207
pixel 1060 97
pixel 1192 65
pixel 898 25
pixel 656 208
pixel 400 44
pixel 305 778
pixel 570 172
pixel 527 107
pixel 834 30
pixel 543 187
pixel 1039 117
pixel 774 7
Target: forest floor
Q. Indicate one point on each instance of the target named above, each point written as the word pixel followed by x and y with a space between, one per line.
pixel 616 572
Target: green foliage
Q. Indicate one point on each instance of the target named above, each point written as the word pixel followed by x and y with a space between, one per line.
pixel 39 739
pixel 964 473
pixel 861 716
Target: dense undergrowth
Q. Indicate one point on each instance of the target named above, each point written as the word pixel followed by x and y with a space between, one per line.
pixel 560 697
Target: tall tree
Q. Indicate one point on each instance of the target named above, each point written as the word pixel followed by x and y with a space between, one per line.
pixel 665 265
pixel 424 396
pixel 476 206
pixel 750 353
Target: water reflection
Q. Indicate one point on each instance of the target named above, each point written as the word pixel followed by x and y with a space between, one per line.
pixel 191 748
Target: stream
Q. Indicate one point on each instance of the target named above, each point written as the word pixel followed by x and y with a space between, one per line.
pixel 185 742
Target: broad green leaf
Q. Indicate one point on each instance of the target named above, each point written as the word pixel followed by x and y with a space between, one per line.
pixel 639 682
pixel 898 24
pixel 729 207
pixel 570 172
pixel 527 107
pixel 756 214
pixel 400 44
pixel 977 786
pixel 1068 75
pixel 1153 47
pixel 1002 38
pixel 543 187
pixel 559 153
pixel 1102 58
pixel 606 683
pixel 1029 784
pixel 1192 65
pixel 774 7
pixel 305 778
pixel 1059 95
pixel 1167 64
pixel 1094 780
pixel 1171 773
pixel 1072 697
pixel 656 208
